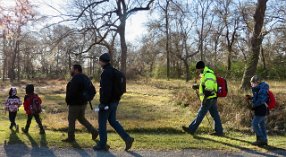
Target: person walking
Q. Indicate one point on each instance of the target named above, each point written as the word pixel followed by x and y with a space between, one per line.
pixel 77 103
pixel 108 97
pixel 259 105
pixel 208 96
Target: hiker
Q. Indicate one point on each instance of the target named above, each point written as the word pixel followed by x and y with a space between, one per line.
pixel 208 95
pixel 109 98
pixel 12 105
pixel 32 106
pixel 77 103
pixel 259 105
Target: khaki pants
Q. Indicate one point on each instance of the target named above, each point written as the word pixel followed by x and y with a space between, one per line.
pixel 78 113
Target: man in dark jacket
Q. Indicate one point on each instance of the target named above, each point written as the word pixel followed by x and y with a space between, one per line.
pixel 259 105
pixel 77 103
pixel 108 98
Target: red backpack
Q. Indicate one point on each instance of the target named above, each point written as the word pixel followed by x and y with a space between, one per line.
pixel 222 87
pixel 271 100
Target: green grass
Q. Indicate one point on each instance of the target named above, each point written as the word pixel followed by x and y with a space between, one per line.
pixel 147 111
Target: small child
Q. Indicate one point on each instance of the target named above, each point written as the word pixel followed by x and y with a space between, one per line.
pixel 259 105
pixel 12 105
pixel 32 106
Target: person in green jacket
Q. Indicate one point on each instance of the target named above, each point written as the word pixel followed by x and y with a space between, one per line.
pixel 208 95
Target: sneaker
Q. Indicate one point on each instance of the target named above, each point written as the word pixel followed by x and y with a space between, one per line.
pixel 129 143
pixel 25 130
pixel 94 136
pixel 69 140
pixel 217 134
pixel 187 130
pixel 260 143
pixel 101 148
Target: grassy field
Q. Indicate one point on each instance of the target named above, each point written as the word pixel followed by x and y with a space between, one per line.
pixel 150 111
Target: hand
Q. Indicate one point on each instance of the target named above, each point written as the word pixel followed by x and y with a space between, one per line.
pixel 195 86
pixel 248 97
pixel 103 107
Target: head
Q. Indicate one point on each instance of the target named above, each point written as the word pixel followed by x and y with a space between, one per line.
pixel 13 92
pixel 200 66
pixel 255 81
pixel 104 59
pixel 76 69
pixel 30 89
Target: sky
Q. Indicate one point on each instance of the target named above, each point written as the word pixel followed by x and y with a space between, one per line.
pixel 134 29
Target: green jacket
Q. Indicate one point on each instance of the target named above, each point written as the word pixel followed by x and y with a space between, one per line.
pixel 208 83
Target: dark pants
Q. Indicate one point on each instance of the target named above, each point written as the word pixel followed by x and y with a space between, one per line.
pixel 78 113
pixel 209 105
pixel 12 118
pixel 110 115
pixel 38 120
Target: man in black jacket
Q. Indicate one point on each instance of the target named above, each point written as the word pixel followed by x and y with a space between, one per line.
pixel 77 103
pixel 108 98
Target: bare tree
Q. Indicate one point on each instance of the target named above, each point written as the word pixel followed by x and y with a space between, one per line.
pixel 256 41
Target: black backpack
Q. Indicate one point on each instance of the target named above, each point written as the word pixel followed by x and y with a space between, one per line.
pixel 119 83
pixel 89 90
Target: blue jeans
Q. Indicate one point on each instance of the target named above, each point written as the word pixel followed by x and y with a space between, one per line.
pixel 110 115
pixel 211 106
pixel 258 124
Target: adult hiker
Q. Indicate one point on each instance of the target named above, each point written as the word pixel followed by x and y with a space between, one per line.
pixel 259 105
pixel 109 97
pixel 208 95
pixel 77 103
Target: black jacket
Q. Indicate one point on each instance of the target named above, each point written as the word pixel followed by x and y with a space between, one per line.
pixel 75 89
pixel 107 85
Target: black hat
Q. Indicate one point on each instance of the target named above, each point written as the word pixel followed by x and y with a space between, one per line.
pixel 200 65
pixel 29 89
pixel 105 57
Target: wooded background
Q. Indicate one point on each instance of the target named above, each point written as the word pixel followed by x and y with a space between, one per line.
pixel 237 38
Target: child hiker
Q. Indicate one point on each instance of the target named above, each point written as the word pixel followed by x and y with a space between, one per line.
pixel 259 105
pixel 32 106
pixel 12 105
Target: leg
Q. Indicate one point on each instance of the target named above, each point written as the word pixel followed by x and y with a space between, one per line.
pixel 29 119
pixel 256 127
pixel 86 123
pixel 39 121
pixel 263 130
pixel 12 117
pixel 72 116
pixel 115 124
pixel 102 119
pixel 200 116
pixel 215 115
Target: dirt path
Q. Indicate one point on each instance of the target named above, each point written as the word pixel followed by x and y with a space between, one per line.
pixel 24 151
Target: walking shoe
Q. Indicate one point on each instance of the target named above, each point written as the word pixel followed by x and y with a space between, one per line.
pixel 101 148
pixel 260 143
pixel 217 134
pixel 94 136
pixel 187 130
pixel 25 130
pixel 69 140
pixel 129 143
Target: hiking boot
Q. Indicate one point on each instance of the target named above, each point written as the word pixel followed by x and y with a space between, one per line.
pixel 101 148
pixel 94 135
pixel 129 143
pixel 217 134
pixel 69 140
pixel 260 143
pixel 25 130
pixel 187 130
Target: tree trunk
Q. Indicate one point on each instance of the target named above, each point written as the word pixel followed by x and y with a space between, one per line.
pixel 167 39
pixel 187 68
pixel 256 42
pixel 123 45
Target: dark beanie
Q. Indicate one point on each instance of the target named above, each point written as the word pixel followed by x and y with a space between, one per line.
pixel 200 65
pixel 105 57
pixel 29 89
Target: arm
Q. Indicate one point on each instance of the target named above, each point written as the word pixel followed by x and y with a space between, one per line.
pixel 209 89
pixel 106 86
pixel 261 98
